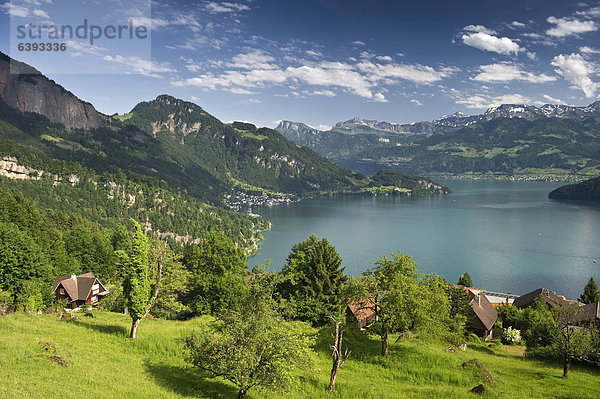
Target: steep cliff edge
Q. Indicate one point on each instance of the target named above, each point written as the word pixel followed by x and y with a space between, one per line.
pixel 29 91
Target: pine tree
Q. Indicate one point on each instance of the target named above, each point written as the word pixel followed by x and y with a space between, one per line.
pixel 465 280
pixel 590 292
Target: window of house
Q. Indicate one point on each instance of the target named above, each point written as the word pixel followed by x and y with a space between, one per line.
pixel 95 289
pixel 94 299
pixel 61 291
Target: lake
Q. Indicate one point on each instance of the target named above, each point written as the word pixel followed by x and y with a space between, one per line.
pixel 507 235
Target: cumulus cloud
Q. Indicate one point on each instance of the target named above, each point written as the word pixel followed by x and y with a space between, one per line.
pixel 140 66
pixel 576 70
pixel 487 42
pixel 257 69
pixel 554 100
pixel 518 24
pixel 379 98
pixel 413 72
pixel 385 58
pixel 588 50
pixel 218 7
pixel 483 101
pixel 416 102
pixel 593 12
pixel 507 71
pixel 359 43
pixel 479 28
pixel 570 26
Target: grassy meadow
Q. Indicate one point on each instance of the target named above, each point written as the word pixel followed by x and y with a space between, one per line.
pixel 102 362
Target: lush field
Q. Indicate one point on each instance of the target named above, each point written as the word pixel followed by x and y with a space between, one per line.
pixel 102 362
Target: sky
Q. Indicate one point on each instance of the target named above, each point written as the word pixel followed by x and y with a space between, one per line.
pixel 321 61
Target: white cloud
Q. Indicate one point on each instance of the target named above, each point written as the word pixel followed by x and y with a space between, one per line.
pixel 593 12
pixel 554 100
pixel 588 50
pixel 257 69
pixel 359 43
pixel 140 66
pixel 569 26
pixel 385 58
pixel 576 70
pixel 255 59
pixel 326 93
pixel 323 128
pixel 483 101
pixel 379 98
pixel 41 14
pixel 313 53
pixel 479 28
pixel 217 7
pixel 507 71
pixel 486 42
pixel 416 102
pixel 255 100
pixel 518 24
pixel 413 72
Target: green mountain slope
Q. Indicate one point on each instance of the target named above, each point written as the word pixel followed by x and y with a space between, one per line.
pixel 588 190
pixel 510 140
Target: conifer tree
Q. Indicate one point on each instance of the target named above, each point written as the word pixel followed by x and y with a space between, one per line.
pixel 590 292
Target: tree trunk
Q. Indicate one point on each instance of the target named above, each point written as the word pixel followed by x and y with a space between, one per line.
pixel 566 367
pixel 334 372
pixel 134 328
pixel 384 343
pixel 242 393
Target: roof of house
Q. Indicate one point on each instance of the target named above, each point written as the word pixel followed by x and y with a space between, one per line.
pixel 590 312
pixel 485 312
pixel 77 287
pixel 549 297
pixel 364 312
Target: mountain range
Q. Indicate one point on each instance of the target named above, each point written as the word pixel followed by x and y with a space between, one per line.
pixel 509 140
pixel 167 163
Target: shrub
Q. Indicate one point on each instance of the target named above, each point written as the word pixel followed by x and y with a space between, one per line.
pixel 511 336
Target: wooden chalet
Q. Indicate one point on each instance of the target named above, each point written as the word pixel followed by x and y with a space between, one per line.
pixel 550 298
pixel 78 290
pixel 484 316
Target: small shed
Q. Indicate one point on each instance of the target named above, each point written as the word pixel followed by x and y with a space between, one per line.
pixel 78 290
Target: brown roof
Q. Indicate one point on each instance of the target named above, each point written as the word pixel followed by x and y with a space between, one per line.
pixel 484 311
pixel 590 312
pixel 77 287
pixel 364 312
pixel 549 297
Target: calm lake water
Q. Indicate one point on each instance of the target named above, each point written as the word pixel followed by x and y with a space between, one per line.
pixel 508 235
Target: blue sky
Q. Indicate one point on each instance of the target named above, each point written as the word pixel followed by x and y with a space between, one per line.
pixel 324 61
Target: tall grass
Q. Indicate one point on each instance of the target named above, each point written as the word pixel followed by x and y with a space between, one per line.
pixel 102 362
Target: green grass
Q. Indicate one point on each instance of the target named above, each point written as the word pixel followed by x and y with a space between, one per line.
pixel 123 117
pixel 103 362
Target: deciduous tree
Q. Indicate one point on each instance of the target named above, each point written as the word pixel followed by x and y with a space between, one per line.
pixel 250 346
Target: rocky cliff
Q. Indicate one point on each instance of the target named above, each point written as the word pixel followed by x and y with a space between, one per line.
pixel 28 90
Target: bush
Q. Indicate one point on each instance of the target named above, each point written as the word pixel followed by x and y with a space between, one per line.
pixel 5 301
pixel 511 336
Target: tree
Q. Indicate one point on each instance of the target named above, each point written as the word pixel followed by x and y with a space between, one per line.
pixel 402 297
pixel 217 268
pixel 314 279
pixel 21 259
pixel 137 286
pixel 250 345
pixel 465 280
pixel 338 355
pixel 569 341
pixel 590 292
